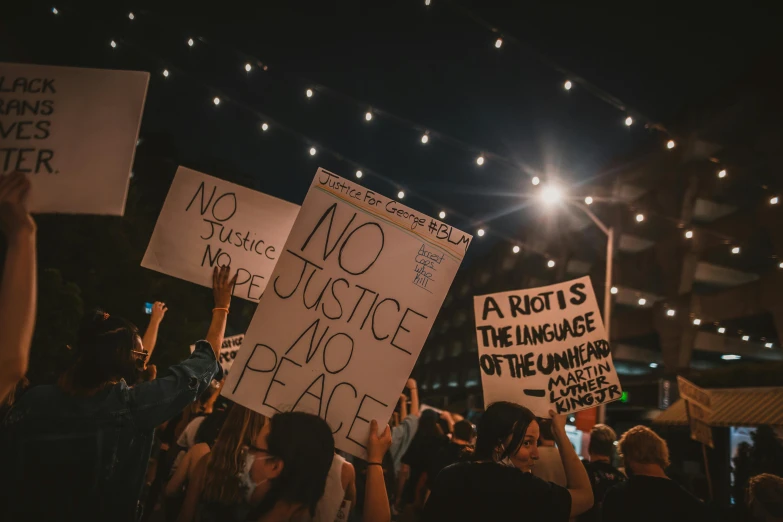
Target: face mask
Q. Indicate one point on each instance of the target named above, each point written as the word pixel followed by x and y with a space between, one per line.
pixel 245 480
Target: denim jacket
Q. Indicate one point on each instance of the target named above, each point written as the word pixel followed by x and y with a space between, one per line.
pixel 84 458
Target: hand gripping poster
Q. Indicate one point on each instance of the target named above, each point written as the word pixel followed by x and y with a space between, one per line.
pixel 545 348
pixel 347 309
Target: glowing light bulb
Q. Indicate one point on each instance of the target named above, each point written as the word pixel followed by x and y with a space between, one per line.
pixel 628 121
pixel 735 250
pixel 551 194
pixel 642 301
pixel 312 151
pixel 722 173
pixel 165 73
pixel 190 42
pixel 400 194
pixel 359 174
pixel 248 67
pixel 670 144
pixel 309 93
pixel 773 200
pixel 688 234
pixel 131 16
pixel 653 365
pixel 113 44
pixel 731 357
pixel 498 43
pixel 550 264
pixel 670 312
pixel 780 265
pixel 480 160
pixel 613 290
pixel 425 138
pixel 696 322
pixel 480 232
pixel 567 85
pixel 536 180
pixel 442 215
pixel 427 2
pixel 368 116
pixel 55 11
pixel 588 200
pixel 216 100
pixel 768 345
pixel 721 330
pixel 746 338
pixel 515 249
pixel 264 126
pixel 639 218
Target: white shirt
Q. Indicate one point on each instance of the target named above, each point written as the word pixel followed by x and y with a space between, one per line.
pixel 549 467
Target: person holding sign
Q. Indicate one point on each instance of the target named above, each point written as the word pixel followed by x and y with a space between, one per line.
pixel 498 484
pixel 17 290
pixel 86 441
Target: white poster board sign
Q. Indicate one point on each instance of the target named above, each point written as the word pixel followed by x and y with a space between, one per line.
pixel 545 348
pixel 208 222
pixel 349 306
pixel 228 351
pixel 73 131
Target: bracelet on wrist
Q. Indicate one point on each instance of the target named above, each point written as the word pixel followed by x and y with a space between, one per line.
pixel 374 464
pixel 219 308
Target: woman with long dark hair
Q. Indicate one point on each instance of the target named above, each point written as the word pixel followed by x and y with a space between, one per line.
pixel 498 484
pixel 86 441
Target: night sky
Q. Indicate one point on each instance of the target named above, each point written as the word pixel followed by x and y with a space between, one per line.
pixel 430 67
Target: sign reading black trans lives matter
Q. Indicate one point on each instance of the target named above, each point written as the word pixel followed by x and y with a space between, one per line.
pixel 545 348
pixel 348 307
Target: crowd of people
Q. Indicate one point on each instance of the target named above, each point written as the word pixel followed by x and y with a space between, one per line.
pixel 113 439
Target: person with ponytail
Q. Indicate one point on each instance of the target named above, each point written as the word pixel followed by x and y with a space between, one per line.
pixel 78 450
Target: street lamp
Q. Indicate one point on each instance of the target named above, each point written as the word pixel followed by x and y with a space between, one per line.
pixel 551 194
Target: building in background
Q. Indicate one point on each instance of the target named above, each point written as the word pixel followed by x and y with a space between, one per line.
pixel 698 263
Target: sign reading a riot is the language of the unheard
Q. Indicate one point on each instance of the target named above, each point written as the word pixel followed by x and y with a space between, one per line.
pixel 228 351
pixel 208 222
pixel 347 310
pixel 73 131
pixel 545 348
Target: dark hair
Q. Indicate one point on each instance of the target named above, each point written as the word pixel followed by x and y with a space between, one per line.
pixel 305 444
pixel 463 430
pixel 602 439
pixel 210 427
pixel 545 429
pixel 501 420
pixel 428 425
pixel 103 353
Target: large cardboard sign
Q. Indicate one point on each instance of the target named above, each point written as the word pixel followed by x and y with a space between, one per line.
pixel 74 131
pixel 698 405
pixel 207 222
pixel 693 394
pixel 228 351
pixel 545 348
pixel 348 308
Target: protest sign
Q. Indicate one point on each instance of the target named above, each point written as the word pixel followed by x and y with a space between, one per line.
pixel 545 348
pixel 74 131
pixel 228 351
pixel 698 405
pixel 207 222
pixel 347 311
pixel 693 394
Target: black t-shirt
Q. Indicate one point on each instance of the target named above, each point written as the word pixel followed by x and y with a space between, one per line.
pixel 446 456
pixel 486 491
pixel 603 476
pixel 652 499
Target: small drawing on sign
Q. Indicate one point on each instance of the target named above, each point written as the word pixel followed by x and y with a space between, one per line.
pixel 427 263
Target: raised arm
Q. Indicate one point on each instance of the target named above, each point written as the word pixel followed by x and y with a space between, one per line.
pixel 403 406
pixel 151 335
pixel 222 288
pixel 411 385
pixel 376 501
pixel 576 474
pixel 193 492
pixel 18 286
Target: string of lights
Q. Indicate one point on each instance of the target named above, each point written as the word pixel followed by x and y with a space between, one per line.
pixel 249 63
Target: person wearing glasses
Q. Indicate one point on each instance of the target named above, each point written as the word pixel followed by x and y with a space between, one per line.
pixel 78 450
